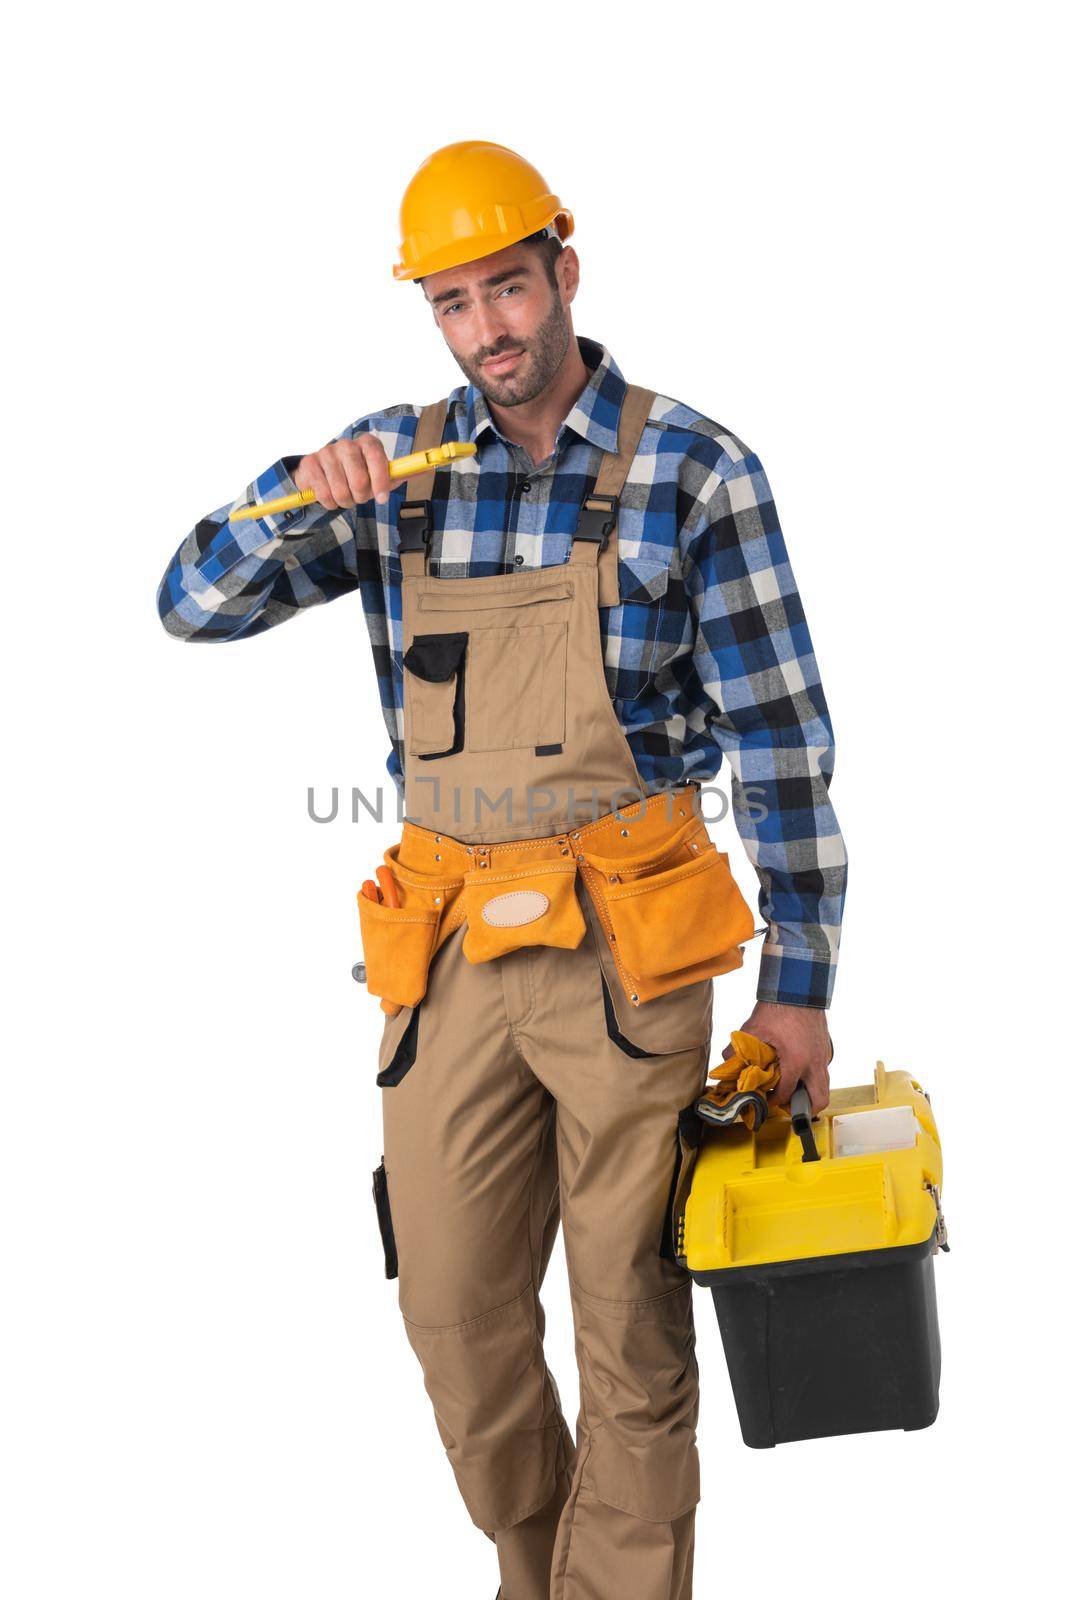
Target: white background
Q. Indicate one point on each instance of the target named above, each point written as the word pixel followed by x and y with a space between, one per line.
pixel 827 226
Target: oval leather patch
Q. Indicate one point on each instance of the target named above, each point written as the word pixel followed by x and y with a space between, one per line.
pixel 515 908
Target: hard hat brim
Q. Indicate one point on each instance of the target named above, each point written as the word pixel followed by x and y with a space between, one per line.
pixel 459 252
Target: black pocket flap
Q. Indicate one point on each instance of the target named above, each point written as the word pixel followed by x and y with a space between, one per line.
pixel 435 657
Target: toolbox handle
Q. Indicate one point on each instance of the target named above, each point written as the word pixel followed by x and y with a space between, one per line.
pixel 800 1112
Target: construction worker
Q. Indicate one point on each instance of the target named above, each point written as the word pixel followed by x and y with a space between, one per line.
pixel 570 628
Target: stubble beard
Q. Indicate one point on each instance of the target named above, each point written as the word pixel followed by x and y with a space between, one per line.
pixel 546 352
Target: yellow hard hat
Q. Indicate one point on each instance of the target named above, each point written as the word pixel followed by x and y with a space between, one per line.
pixel 468 200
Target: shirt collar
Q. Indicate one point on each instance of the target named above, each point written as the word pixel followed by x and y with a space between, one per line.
pixel 594 415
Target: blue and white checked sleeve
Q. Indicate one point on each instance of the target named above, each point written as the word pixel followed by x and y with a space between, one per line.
pixel 229 580
pixel 767 713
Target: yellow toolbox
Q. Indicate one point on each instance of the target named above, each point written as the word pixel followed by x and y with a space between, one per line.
pixel 817 1238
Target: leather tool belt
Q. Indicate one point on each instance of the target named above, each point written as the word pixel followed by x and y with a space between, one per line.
pixel 665 896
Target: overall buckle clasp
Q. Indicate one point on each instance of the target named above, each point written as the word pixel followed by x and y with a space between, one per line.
pixel 597 517
pixel 414 525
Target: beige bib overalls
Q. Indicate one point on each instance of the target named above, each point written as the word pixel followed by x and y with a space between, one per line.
pixel 552 957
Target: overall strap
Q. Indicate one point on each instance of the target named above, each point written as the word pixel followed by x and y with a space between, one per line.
pixel 597 537
pixel 414 515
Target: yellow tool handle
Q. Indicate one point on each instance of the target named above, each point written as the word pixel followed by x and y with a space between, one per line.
pixel 401 467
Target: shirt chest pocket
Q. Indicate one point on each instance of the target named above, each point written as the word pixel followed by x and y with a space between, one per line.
pixel 650 630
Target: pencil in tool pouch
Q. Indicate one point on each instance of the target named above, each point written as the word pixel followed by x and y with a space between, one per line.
pixel 400 467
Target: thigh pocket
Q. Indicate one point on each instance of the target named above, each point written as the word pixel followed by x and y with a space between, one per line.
pixel 435 694
pixel 518 680
pixel 385 1219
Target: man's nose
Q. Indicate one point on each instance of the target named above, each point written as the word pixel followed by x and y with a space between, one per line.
pixel 490 327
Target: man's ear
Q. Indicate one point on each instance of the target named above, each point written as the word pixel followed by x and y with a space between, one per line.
pixel 568 273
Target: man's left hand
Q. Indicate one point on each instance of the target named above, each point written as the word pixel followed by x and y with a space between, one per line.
pixel 800 1036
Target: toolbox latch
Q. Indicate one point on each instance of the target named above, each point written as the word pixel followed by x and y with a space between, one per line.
pixel 940 1228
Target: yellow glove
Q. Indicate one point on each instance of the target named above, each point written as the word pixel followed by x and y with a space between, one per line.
pixel 752 1069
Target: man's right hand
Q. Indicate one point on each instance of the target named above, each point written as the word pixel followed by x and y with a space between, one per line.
pixel 347 472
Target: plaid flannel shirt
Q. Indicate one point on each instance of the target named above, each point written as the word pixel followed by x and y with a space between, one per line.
pixel 707 655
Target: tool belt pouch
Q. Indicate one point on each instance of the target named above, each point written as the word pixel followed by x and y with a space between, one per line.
pixel 508 909
pixel 673 916
pixel 398 941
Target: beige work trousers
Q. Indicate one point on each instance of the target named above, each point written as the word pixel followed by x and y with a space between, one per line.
pixel 508 1104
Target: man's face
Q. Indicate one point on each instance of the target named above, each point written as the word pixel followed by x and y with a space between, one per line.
pixel 506 324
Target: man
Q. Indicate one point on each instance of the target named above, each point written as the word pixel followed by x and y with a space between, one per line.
pixel 598 600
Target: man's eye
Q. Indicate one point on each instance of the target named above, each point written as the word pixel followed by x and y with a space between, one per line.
pixel 456 307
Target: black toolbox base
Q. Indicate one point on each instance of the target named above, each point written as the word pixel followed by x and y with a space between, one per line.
pixel 845 1344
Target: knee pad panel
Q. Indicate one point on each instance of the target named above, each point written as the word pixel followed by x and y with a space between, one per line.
pixel 638 1369
pixel 495 1407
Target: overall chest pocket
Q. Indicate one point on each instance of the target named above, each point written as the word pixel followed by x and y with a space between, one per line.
pixel 512 667
pixel 518 687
